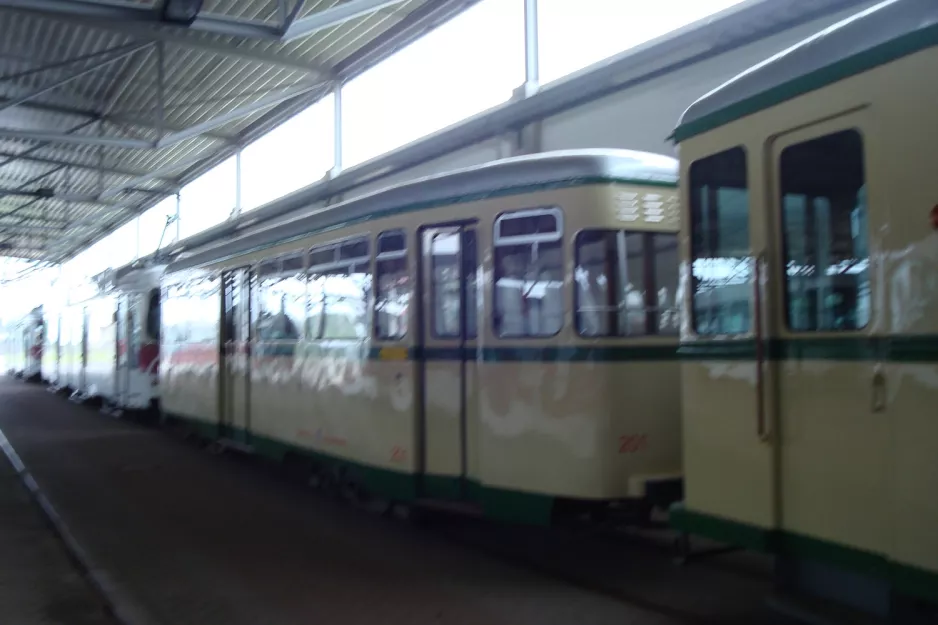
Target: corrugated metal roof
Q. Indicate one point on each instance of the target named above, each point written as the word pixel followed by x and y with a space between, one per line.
pixel 104 109
pixel 208 73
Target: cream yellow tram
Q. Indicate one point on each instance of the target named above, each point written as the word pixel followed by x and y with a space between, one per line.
pixel 500 338
pixel 810 325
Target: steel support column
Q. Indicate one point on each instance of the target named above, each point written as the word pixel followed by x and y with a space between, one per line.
pixel 532 79
pixel 237 206
pixel 337 130
pixel 178 206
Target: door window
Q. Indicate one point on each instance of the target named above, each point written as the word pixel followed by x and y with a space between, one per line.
pixel 340 281
pixel 528 297
pixel 626 283
pixel 721 264
pixel 392 282
pixel 824 216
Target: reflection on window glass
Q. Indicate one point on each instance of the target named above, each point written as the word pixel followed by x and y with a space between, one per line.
pixel 233 314
pixel 281 305
pixel 825 216
pixel 393 286
pixel 189 310
pixel 721 267
pixel 202 310
pixel 153 315
pixel 470 279
pixel 626 283
pixel 339 286
pixel 528 295
pixel 445 271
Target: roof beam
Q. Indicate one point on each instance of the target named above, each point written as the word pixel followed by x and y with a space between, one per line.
pixel 113 171
pixel 42 69
pixel 168 140
pixel 65 197
pixel 334 16
pixel 145 23
pixel 157 173
pixel 128 13
pixel 418 22
pixel 114 118
pixel 290 17
pixel 235 114
pixel 40 146
pixel 139 14
pixel 26 229
pixel 116 55
pixel 64 137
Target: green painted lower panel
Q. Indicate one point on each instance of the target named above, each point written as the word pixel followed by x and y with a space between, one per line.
pixel 906 579
pixel 201 428
pixel 501 504
pixel 719 529
pixel 270 449
pixel 448 488
pixel 516 507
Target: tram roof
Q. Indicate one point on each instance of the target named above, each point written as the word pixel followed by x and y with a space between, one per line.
pixel 880 34
pixel 509 176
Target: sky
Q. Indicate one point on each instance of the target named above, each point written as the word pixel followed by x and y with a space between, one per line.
pixel 435 82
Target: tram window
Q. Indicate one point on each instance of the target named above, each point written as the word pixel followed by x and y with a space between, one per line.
pixel 721 267
pixel 824 209
pixel 204 297
pixel 232 302
pixel 528 296
pixel 445 275
pixel 339 283
pixel 625 283
pixel 281 305
pixel 153 315
pixel 393 286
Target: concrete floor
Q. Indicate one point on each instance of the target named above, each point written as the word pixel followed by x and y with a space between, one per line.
pixel 190 538
pixel 39 583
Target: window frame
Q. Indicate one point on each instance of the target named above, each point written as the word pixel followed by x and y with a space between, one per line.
pixel 692 226
pixel 376 276
pixel 256 278
pixel 800 139
pixel 336 263
pixel 433 294
pixel 652 314
pixel 527 239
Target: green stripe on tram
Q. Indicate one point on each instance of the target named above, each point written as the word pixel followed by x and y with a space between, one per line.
pixel 899 348
pixel 908 349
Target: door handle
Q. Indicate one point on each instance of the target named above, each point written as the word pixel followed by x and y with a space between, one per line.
pixel 763 428
pixel 878 384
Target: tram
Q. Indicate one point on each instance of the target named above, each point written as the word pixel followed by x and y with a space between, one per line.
pixel 809 337
pixel 500 339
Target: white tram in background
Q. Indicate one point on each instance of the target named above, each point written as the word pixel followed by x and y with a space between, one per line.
pixel 23 346
pixel 501 338
pixel 104 339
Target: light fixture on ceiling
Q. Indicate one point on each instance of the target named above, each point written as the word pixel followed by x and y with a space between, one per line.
pixel 181 11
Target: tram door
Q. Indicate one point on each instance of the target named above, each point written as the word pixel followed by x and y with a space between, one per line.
pixel 449 319
pixel 235 418
pixel 836 426
pixel 122 370
pixel 83 360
